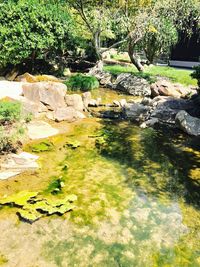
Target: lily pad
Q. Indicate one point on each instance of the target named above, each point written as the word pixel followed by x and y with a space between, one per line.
pixel 20 199
pixel 42 147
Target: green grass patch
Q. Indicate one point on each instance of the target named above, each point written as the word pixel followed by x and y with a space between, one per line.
pixel 10 111
pixel 82 83
pixel 150 73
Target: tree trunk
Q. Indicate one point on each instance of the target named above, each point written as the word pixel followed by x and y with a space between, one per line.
pixel 133 57
pixel 97 45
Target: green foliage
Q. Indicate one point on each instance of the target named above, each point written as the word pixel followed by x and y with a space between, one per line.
pixel 42 147
pixel 175 75
pixel 32 30
pixel 82 82
pixel 55 187
pixel 159 38
pixel 10 111
pixel 31 207
pixel 196 74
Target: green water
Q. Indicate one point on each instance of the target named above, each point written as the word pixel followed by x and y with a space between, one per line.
pixel 138 200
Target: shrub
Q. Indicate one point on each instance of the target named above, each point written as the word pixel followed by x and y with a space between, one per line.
pixel 196 74
pixel 10 112
pixel 82 82
pixel 31 30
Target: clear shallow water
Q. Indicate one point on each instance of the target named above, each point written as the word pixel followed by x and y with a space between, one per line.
pixel 138 201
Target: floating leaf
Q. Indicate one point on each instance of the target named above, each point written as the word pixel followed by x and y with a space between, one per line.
pixel 30 215
pixel 19 199
pixel 64 208
pixel 41 206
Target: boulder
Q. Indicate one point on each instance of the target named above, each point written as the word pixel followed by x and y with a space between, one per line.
pixel 132 85
pixel 149 123
pixel 122 102
pixel 87 97
pixel 67 114
pixel 74 101
pixel 49 93
pixel 166 88
pixel 12 75
pixel 95 102
pixel 103 77
pixel 33 107
pixel 166 111
pixel 26 77
pixel 187 123
pixel 136 112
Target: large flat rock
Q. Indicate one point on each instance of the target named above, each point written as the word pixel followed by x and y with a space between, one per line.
pixel 40 129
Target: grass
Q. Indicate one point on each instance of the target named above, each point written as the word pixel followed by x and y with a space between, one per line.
pixel 175 75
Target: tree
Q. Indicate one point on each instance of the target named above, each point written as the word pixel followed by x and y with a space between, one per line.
pixel 31 30
pixel 156 22
pixel 95 20
pixel 159 40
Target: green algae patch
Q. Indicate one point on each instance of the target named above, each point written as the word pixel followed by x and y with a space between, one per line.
pixel 44 146
pixel 32 207
pixel 72 144
pixel 3 259
pixel 19 199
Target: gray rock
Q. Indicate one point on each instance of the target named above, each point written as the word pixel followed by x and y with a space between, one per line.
pixel 187 123
pixel 149 123
pixel 116 103
pixel 136 112
pixel 166 111
pixel 74 101
pixel 123 102
pixel 103 77
pixel 132 85
pixel 49 93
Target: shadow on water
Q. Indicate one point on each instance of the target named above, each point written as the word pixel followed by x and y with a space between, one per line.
pixel 156 161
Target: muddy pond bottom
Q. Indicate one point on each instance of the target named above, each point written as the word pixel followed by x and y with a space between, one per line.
pixel 138 200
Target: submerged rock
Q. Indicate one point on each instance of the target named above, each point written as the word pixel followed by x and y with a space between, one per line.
pixel 133 85
pixel 136 112
pixel 187 123
pixel 40 129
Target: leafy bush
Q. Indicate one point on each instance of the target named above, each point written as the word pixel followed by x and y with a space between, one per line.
pixel 82 82
pixel 10 112
pixel 31 30
pixel 196 74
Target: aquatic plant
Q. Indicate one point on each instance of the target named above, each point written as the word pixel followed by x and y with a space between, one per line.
pixel 72 144
pixel 42 147
pixel 32 207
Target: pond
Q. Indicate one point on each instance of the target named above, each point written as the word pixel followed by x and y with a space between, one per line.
pixel 138 200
